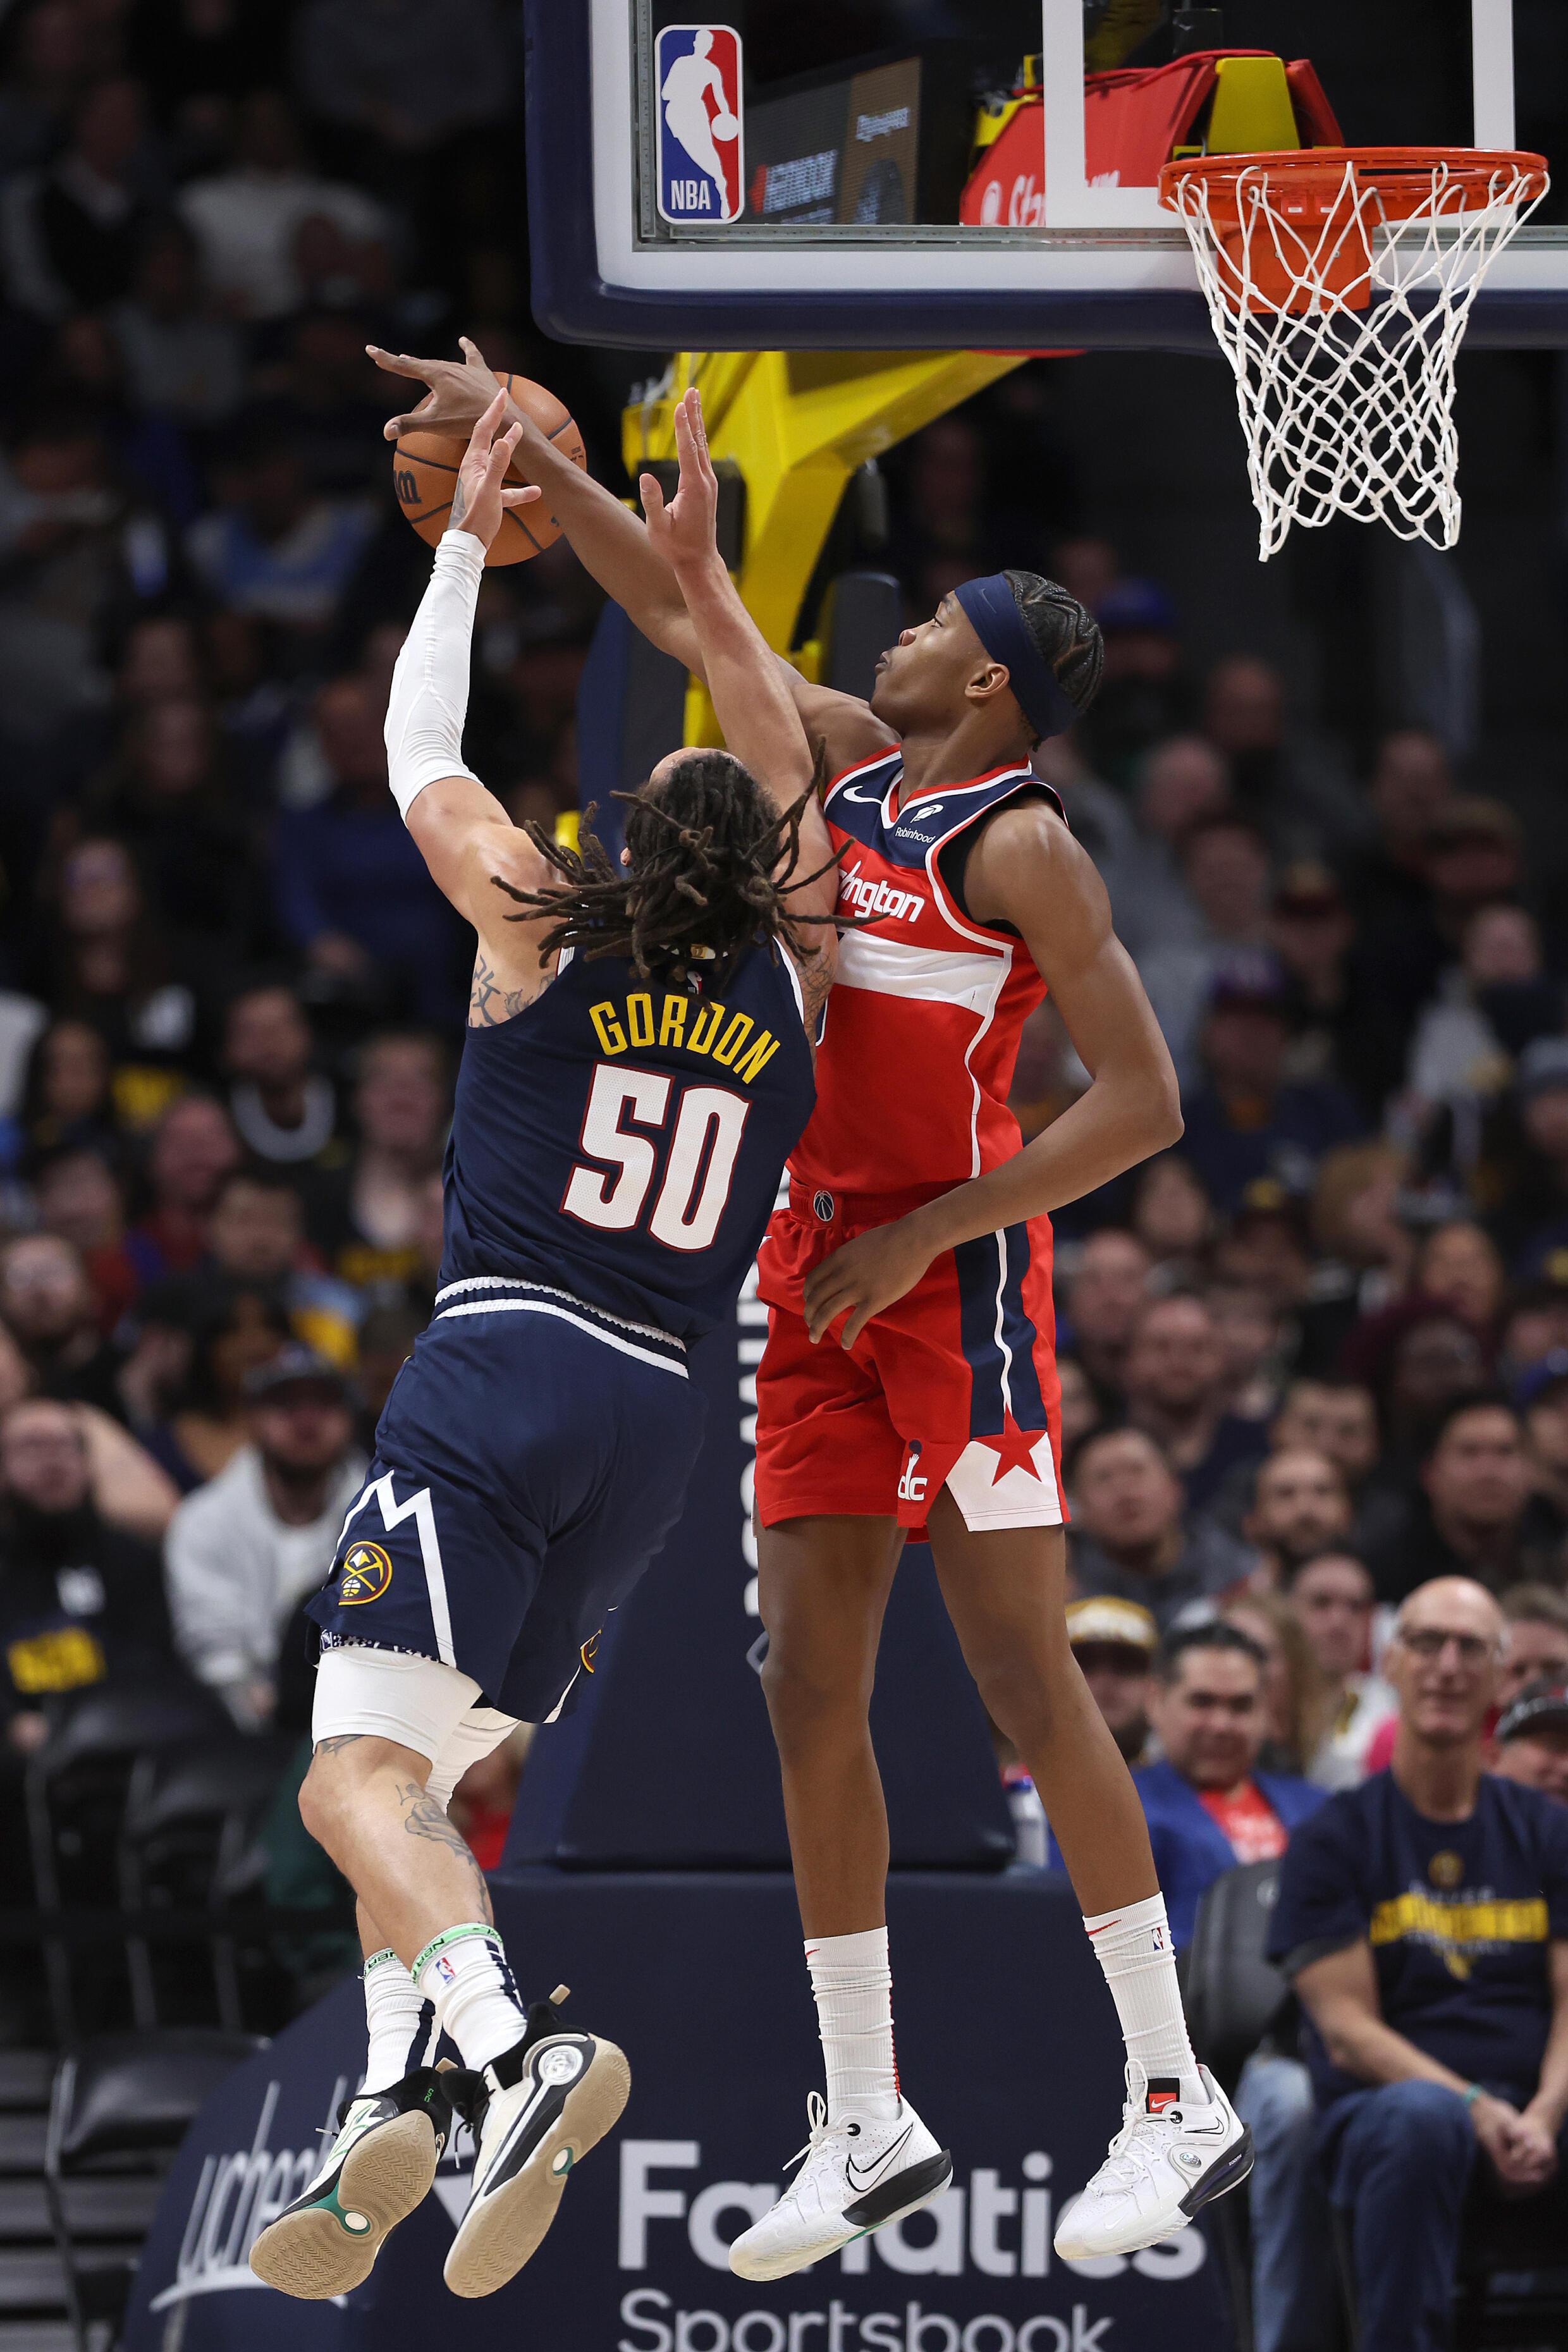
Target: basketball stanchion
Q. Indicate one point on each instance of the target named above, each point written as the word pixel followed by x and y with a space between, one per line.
pixel 1339 282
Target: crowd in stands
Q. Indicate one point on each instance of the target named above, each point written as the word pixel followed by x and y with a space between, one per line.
pixel 1315 1360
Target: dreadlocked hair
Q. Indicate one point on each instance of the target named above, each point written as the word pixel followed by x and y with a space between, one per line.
pixel 1065 632
pixel 707 877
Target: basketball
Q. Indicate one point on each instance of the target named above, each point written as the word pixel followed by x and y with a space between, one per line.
pixel 425 474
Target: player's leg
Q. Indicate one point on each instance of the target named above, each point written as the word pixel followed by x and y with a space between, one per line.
pixel 823 1586
pixel 1182 2143
pixel 377 1804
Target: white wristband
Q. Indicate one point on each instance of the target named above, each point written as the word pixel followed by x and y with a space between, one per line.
pixel 429 700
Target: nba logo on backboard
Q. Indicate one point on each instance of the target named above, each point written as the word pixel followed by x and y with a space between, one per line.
pixel 701 169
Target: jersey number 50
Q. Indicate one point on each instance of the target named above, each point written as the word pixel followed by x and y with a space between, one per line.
pixel 698 1165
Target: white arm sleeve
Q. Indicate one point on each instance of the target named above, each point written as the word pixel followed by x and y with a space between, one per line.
pixel 429 699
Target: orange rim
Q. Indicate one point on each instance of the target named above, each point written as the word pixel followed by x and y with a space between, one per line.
pixel 1314 176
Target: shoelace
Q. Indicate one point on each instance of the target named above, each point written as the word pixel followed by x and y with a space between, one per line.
pixel 821 2133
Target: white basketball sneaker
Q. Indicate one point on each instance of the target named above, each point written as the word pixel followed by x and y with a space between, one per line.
pixel 534 2112
pixel 857 2175
pixel 1171 2155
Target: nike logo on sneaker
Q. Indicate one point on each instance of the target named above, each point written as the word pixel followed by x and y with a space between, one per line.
pixel 861 2178
pixel 1215 2130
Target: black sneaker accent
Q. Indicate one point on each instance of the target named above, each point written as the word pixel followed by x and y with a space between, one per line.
pixel 1229 2173
pixel 424 2091
pixel 906 2188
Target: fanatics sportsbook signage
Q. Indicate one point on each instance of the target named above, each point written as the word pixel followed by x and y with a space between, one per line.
pixel 699 1977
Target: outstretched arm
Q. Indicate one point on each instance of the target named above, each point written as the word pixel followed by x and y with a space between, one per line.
pixel 466 839
pixel 612 544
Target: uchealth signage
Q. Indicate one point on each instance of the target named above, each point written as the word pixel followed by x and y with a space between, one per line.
pixel 1007 2045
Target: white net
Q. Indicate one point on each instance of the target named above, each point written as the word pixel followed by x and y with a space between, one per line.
pixel 1341 318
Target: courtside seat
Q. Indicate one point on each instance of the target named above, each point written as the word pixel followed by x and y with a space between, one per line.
pixel 120 2108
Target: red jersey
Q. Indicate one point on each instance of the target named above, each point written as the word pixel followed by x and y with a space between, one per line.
pixel 923 1024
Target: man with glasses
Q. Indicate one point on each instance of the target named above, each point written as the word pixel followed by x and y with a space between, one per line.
pixel 1422 1918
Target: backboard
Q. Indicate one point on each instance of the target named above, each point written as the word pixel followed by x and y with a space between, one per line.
pixel 869 176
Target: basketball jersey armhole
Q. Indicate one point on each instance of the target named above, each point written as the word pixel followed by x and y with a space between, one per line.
pixel 953 857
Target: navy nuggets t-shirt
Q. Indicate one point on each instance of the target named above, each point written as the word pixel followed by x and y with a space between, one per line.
pixel 1458 1913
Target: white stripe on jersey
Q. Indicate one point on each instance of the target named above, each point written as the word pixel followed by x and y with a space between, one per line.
pixel 893 967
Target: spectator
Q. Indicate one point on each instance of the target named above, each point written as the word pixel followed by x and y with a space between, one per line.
pixel 285 1109
pixel 1182 782
pixel 1304 803
pixel 80 1602
pixel 112 967
pixel 80 1200
pixel 180 361
pixel 1411 787
pixel 1475 1518
pixel 66 1097
pixel 1487 1008
pixel 1114 1642
pixel 47 1306
pixel 1300 1507
pixel 252 1543
pixel 398 76
pixel 1106 1293
pixel 386 1340
pixel 193 1148
pixel 1174 1379
pixel 1365 1248
pixel 1534 1327
pixel 1224 870
pixel 370 1217
pixel 234 1331
pixel 1246 1119
pixel 1293 1696
pixel 1531 1742
pixel 245 220
pixel 1208 1806
pixel 1338 1419
pixel 1127 1540
pixel 353 891
pixel 257 1234
pixel 271 548
pixel 170 805
pixel 1534 1639
pixel 1458 1266
pixel 1434 1361
pixel 70 237
pixel 1311 931
pixel 1080 1408
pixel 1415 1919
pixel 1252 1342
pixel 1532 1218
pixel 1333 1600
pixel 1172 1213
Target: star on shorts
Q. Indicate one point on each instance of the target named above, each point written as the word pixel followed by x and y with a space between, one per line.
pixel 1015 1449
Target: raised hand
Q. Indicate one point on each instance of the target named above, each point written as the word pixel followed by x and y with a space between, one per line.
pixel 461 390
pixel 685 533
pixel 479 501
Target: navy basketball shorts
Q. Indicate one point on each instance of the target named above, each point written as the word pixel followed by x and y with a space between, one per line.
pixel 530 1460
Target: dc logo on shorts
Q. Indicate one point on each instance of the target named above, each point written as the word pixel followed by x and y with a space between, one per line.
pixel 822 1206
pixel 367 1572
pixel 701 174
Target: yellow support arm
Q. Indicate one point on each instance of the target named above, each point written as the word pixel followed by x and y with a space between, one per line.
pixel 797 424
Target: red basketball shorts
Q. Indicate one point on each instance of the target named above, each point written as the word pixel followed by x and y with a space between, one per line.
pixel 954 1384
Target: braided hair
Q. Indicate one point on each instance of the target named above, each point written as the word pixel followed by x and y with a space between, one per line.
pixel 1065 632
pixel 700 883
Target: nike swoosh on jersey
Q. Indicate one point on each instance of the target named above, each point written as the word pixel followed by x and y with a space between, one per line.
pixel 868 2180
pixel 871 800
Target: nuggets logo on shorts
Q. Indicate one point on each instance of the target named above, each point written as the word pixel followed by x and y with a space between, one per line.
pixel 367 1572
pixel 591 1649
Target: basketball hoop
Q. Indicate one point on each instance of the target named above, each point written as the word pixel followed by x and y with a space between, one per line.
pixel 1340 281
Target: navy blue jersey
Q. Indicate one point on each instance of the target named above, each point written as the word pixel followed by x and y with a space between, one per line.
pixel 623 1138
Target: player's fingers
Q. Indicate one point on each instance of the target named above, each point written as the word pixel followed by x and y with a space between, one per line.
pixel 523 498
pixel 400 363
pixel 652 497
pixel 856 1325
pixel 484 430
pixel 466 344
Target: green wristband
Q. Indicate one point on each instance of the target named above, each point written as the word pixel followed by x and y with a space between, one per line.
pixel 1472 2092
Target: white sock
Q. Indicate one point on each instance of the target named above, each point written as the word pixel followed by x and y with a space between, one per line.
pixel 1134 1947
pixel 854 1988
pixel 401 2023
pixel 465 1973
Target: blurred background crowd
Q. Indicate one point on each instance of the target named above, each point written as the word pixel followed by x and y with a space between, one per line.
pixel 1313 1359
